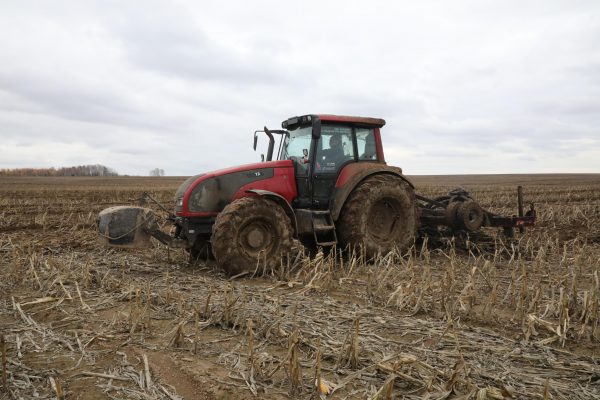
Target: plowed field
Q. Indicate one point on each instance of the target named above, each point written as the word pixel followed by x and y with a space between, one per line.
pixel 490 318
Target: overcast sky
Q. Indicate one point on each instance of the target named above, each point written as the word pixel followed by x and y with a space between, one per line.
pixel 465 86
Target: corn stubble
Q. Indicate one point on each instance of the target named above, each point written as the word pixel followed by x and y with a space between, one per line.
pixel 481 318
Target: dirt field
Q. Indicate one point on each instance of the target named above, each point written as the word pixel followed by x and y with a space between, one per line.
pixel 487 319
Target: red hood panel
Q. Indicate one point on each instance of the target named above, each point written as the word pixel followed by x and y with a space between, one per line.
pixel 276 176
pixel 249 167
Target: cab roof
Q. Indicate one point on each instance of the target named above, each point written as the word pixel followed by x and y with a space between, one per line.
pixel 303 120
pixel 377 122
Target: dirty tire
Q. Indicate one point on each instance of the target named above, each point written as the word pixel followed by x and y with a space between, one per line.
pixel 380 214
pixel 470 216
pixel 249 228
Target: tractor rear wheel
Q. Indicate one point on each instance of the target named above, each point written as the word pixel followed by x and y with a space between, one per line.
pixel 250 230
pixel 380 214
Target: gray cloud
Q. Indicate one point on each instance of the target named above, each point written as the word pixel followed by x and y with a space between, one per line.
pixel 191 54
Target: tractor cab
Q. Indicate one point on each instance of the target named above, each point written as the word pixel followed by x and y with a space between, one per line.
pixel 321 146
pixel 331 140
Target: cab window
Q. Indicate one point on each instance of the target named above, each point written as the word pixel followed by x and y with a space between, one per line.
pixel 335 148
pixel 295 143
pixel 365 144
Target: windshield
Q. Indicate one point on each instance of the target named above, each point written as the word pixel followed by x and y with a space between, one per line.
pixel 295 143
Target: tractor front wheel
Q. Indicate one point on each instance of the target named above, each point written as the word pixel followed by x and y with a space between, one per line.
pixel 380 215
pixel 248 231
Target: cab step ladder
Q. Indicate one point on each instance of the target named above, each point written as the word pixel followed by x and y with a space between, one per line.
pixel 323 228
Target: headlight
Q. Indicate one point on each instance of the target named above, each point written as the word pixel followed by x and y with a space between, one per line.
pixel 179 202
pixel 205 197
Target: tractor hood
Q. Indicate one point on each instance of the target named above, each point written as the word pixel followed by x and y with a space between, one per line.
pixel 208 193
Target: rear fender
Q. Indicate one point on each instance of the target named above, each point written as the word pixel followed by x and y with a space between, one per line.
pixel 279 199
pixel 352 175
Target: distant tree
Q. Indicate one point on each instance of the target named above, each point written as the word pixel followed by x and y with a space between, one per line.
pixel 157 172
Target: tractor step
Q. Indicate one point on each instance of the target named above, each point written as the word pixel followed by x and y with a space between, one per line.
pixel 323 228
pixel 327 244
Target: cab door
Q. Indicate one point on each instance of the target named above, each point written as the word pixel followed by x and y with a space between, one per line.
pixel 330 158
pixel 298 146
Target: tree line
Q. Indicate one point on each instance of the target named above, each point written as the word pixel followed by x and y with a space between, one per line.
pixel 80 170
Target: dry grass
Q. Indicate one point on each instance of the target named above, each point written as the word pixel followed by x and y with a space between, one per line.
pixel 481 319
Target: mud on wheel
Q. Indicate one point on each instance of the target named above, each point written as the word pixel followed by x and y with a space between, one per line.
pixel 248 230
pixel 380 214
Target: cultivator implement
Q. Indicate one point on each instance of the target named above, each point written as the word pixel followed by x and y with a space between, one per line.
pixel 459 211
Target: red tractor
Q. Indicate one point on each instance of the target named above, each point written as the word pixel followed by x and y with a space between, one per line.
pixel 330 186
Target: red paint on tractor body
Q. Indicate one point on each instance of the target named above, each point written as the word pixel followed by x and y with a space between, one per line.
pixel 351 170
pixel 379 146
pixel 282 182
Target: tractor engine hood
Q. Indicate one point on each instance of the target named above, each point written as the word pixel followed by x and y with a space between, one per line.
pixel 205 195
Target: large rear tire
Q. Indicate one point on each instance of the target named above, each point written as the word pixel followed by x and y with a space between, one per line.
pixel 380 215
pixel 248 230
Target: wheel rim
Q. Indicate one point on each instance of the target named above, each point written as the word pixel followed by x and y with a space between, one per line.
pixel 473 216
pixel 256 237
pixel 383 219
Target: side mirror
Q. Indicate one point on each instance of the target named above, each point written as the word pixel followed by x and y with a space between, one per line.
pixel 255 141
pixel 316 128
